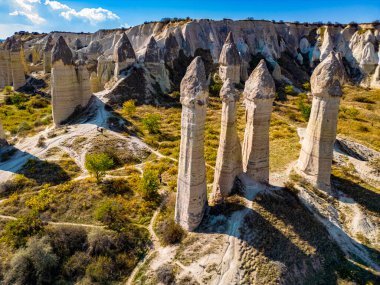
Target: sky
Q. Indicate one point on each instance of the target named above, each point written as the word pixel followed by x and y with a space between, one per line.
pixel 90 16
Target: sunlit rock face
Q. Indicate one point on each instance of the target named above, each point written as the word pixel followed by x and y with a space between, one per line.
pixel 123 55
pixel 5 69
pixel 95 83
pixel 17 62
pixel 70 83
pixel 47 54
pixel 229 61
pixel 259 94
pixel 317 146
pixel 191 186
pixel 105 69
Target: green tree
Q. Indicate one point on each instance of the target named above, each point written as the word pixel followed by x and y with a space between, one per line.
pixel 150 184
pixel 113 214
pixel 152 123
pixel 97 164
pixel 129 107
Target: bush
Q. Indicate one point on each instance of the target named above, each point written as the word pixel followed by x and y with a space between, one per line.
pixel 129 107
pixel 75 266
pixel 304 106
pixel 152 123
pixel 35 264
pixel 8 90
pixel 101 270
pixel 97 164
pixel 363 99
pixel 18 231
pixel 289 90
pixel 150 183
pixel 171 233
pixel 306 86
pixel 165 274
pixel 113 214
pixel 41 142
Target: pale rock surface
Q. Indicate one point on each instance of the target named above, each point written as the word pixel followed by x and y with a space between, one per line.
pixel 5 68
pixel 191 187
pixel 304 45
pixel 317 146
pixel 47 54
pixel 70 83
pixel 17 63
pixel 229 159
pixel 259 94
pixel 95 83
pixel 229 61
pixel 123 55
pixel 327 45
pixel 154 63
pixel 105 69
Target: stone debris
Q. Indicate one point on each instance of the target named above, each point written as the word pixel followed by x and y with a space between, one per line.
pixel 259 94
pixel 317 146
pixel 191 187
pixel 70 83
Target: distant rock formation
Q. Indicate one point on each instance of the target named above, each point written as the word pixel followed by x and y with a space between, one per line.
pixel 317 146
pixel 191 187
pixel 259 94
pixel 171 50
pixel 17 62
pixel 229 61
pixel 229 159
pixel 123 55
pixel 47 54
pixel 154 63
pixel 105 69
pixel 70 84
pixel 95 83
pixel 5 69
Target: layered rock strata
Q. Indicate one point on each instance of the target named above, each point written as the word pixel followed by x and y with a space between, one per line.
pixel 154 63
pixel 47 54
pixel 229 61
pixel 70 83
pixel 191 187
pixel 5 69
pixel 105 69
pixel 259 94
pixel 123 55
pixel 317 146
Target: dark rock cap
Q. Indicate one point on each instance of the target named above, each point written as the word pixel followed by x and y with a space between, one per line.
pixel 61 51
pixel 194 84
pixel 328 76
pixel 171 48
pixel 152 53
pixel 123 49
pixel 229 54
pixel 78 44
pixel 49 44
pixel 13 44
pixel 260 84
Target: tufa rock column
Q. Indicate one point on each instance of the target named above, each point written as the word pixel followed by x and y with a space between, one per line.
pixel 259 95
pixel 229 159
pixel 47 54
pixel 229 61
pixel 123 54
pixel 317 147
pixel 191 187
pixel 70 84
pixel 5 69
pixel 17 66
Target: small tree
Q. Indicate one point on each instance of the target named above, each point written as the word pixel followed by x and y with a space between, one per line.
pixel 152 123
pixel 150 184
pixel 97 164
pixel 129 107
pixel 8 90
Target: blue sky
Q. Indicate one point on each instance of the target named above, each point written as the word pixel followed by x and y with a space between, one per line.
pixel 63 15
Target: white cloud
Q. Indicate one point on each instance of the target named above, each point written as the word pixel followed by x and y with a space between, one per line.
pixel 93 15
pixel 27 9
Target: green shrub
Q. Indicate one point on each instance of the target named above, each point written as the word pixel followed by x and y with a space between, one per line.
pixel 75 266
pixel 18 231
pixel 152 123
pixel 129 107
pixel 304 106
pixel 289 90
pixel 97 164
pixel 149 184
pixel 306 86
pixel 113 214
pixel 8 90
pixel 170 232
pixel 101 270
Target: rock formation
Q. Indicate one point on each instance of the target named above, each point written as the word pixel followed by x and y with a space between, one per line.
pixel 5 69
pixel 3 141
pixel 259 95
pixel 123 54
pixel 229 159
pixel 105 69
pixel 229 61
pixel 156 66
pixel 191 187
pixel 317 146
pixel 16 63
pixel 171 50
pixel 47 54
pixel 95 83
pixel 70 83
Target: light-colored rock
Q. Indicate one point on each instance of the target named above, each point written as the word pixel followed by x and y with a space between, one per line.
pixel 95 83
pixel 327 45
pixel 317 146
pixel 229 159
pixel 123 55
pixel 304 45
pixel 3 141
pixel 105 69
pixel 191 187
pixel 47 54
pixel 154 62
pixel 16 63
pixel 229 61
pixel 5 69
pixel 259 94
pixel 70 83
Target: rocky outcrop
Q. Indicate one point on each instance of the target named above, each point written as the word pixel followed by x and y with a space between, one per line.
pixel 16 63
pixel 70 84
pixel 5 69
pixel 95 83
pixel 123 55
pixel 47 54
pixel 259 95
pixel 154 63
pixel 317 146
pixel 229 159
pixel 191 187
pixel 171 50
pixel 3 140
pixel 229 61
pixel 105 69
